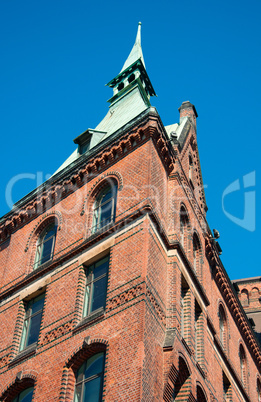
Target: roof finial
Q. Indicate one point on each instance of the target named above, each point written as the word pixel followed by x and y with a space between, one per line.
pixel 136 52
pixel 138 37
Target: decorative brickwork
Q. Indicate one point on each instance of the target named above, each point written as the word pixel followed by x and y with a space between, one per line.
pixel 163 313
pixel 57 333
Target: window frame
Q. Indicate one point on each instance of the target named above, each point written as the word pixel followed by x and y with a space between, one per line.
pixel 88 310
pixel 18 397
pixel 198 337
pixel 196 251
pixel 81 383
pixel 222 326
pixel 28 319
pixel 99 207
pixel 243 365
pixel 41 242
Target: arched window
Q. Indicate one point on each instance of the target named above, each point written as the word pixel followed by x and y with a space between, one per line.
pixel 89 380
pixel 104 207
pixel 196 253
pixel 199 341
pixel 244 297
pixel 200 395
pixel 242 358
pixel 45 245
pixel 259 390
pixel 227 390
pixel 184 223
pixel 24 396
pixel 222 327
pixel 254 293
pixel 185 310
pixel 190 169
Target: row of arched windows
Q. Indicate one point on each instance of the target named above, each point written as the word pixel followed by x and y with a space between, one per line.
pixel 223 336
pixel 104 210
pixel 253 295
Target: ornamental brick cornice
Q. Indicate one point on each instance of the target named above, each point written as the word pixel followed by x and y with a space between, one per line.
pixel 232 301
pixel 150 127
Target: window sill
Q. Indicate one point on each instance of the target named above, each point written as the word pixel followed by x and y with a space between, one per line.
pixel 29 351
pixel 90 319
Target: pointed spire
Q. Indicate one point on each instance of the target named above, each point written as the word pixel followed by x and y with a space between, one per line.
pixel 136 52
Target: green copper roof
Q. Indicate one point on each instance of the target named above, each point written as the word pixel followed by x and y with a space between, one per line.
pixel 131 97
pixel 136 52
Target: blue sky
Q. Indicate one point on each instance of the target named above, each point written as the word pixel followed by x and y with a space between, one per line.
pixel 57 57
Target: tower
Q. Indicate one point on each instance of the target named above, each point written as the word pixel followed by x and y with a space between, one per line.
pixel 112 288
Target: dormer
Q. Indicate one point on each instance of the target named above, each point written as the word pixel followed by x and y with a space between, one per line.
pixel 88 140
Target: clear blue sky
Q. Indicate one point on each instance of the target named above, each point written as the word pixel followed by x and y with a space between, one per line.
pixel 57 56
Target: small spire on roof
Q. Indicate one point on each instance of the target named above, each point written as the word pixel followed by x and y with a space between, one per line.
pixel 136 52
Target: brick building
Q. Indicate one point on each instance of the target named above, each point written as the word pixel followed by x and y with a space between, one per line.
pixel 112 288
pixel 249 293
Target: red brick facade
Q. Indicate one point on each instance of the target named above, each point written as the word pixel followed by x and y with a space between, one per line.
pixel 172 327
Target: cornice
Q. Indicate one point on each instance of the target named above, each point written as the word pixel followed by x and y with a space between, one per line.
pixel 44 198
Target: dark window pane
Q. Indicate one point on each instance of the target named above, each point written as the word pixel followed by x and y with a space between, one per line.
pixel 106 214
pixel 34 329
pixel 99 293
pixel 106 196
pixel 47 249
pixel 94 365
pixel 80 373
pixel 101 267
pixel 92 390
pixel 51 232
pixel 26 395
pixel 37 304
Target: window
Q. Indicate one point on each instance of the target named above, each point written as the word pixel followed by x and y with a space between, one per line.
pixel 197 330
pixel 196 253
pixel 32 321
pixel 222 326
pixel 45 245
pixel 25 396
pixel 190 168
pixel 185 309
pixel 242 358
pixel 184 225
pixel 259 390
pixel 244 297
pixel 104 208
pixel 200 395
pixel 226 389
pixel 89 380
pixel 96 286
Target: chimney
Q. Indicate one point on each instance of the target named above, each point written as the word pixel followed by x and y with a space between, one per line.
pixel 188 110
